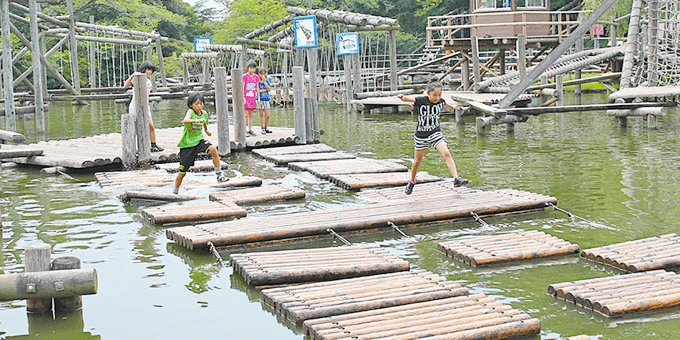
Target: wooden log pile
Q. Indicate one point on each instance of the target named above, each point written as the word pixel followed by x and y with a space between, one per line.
pixel 308 157
pixel 463 317
pixel 323 169
pixel 515 246
pixel 367 218
pixel 261 194
pixel 318 300
pixel 193 212
pixel 308 265
pixel 621 295
pixel 640 255
pixel 361 181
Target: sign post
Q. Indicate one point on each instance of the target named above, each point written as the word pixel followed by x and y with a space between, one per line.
pixel 347 44
pixel 199 43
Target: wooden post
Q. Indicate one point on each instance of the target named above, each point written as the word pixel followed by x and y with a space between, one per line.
pixel 465 74
pixel 577 73
pixel 313 122
pixel 185 72
pixel 501 62
pixel 475 60
pixel 244 56
pixel 309 113
pixel 73 46
pixel 142 117
pixel 67 304
pixel 38 259
pixel 612 32
pixel 222 111
pixel 559 89
pixel 393 61
pixel 298 105
pixel 544 80
pixel 129 136
pixel 205 77
pixel 238 105
pixel 93 61
pixel 521 56
pixel 623 120
pixel 10 118
pixel 161 66
pixel 346 64
pixel 149 57
pixel 286 90
pixel 37 68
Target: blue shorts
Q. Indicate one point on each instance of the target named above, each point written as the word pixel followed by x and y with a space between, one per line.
pixel 132 110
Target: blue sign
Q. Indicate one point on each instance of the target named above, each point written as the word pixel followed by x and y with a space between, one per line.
pixel 305 32
pixel 348 43
pixel 199 43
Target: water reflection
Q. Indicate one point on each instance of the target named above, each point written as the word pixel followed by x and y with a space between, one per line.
pixel 66 326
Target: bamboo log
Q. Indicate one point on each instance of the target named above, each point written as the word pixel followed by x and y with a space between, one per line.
pixel 643 305
pixel 20 153
pixel 587 252
pixel 157 196
pixel 12 136
pixel 554 288
pixel 526 255
pixel 46 285
pixel 323 273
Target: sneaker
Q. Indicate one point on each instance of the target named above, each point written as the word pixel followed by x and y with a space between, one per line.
pixel 222 178
pixel 156 148
pixel 267 130
pixel 460 181
pixel 409 187
pixel 251 133
pixel 264 131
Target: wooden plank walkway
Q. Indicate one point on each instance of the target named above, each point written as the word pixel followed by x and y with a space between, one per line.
pixel 285 159
pixel 317 300
pixel 371 217
pixel 106 149
pixel 515 246
pixel 621 295
pixel 464 317
pixel 307 265
pixel 161 178
pixel 373 180
pixel 323 169
pixel 193 212
pixel 199 166
pixel 639 255
pixel 266 193
pixel 420 191
pixel 293 149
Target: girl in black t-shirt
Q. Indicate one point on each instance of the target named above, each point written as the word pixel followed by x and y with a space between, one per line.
pixel 428 132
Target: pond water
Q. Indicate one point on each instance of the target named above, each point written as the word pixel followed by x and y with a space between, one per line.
pixel 625 182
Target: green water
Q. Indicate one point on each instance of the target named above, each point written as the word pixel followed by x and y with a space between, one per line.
pixel 625 181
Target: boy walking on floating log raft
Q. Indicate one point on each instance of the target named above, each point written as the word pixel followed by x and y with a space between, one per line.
pixel 428 132
pixel 192 142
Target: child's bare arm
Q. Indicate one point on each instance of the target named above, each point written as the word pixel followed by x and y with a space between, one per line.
pixel 406 99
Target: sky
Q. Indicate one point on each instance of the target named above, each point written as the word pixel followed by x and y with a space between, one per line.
pixel 208 3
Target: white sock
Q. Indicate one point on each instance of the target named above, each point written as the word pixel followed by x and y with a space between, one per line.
pixel 218 171
pixel 175 190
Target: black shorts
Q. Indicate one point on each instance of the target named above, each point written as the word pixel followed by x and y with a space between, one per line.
pixel 187 156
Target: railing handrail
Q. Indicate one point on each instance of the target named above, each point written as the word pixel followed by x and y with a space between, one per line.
pixel 504 12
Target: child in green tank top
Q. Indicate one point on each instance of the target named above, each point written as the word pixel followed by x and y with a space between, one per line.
pixel 192 142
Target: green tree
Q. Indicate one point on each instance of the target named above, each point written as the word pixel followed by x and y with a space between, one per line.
pixel 244 16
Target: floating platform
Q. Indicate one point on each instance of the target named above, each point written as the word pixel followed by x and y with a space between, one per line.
pixel 640 255
pixel 622 295
pixel 285 159
pixel 464 317
pixel 420 191
pixel 645 92
pixel 107 149
pixel 374 180
pixel 199 166
pixel 324 169
pixel 155 196
pixel 285 150
pixel 266 193
pixel 515 246
pixel 317 300
pixel 308 265
pixel 134 179
pixel 193 212
pixel 410 212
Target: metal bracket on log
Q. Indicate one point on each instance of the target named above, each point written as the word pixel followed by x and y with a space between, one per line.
pixel 479 219
pixel 342 239
pixel 394 226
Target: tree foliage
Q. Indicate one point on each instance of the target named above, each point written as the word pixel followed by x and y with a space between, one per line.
pixel 244 16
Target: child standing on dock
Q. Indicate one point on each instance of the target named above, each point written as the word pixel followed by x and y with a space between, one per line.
pixel 428 132
pixel 263 106
pixel 147 68
pixel 192 142
pixel 250 81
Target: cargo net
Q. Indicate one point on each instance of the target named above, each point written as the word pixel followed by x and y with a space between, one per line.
pixel 657 62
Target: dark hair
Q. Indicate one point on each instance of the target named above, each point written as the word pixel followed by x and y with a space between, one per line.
pixel 261 70
pixel 434 85
pixel 147 65
pixel 195 97
pixel 251 63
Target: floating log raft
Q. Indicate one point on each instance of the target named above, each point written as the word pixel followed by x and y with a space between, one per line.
pixel 373 180
pixel 372 217
pixel 621 295
pixel 199 166
pixel 515 246
pixel 308 157
pixel 323 169
pixel 317 300
pixel 193 212
pixel 639 255
pixel 136 178
pixel 239 182
pixel 155 196
pixel 285 150
pixel 463 317
pixel 261 194
pixel 422 191
pixel 308 265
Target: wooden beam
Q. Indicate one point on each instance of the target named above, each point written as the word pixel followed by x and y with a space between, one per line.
pixel 20 153
pixel 73 47
pixel 11 136
pixel 534 111
pixel 10 119
pixel 393 60
pixel 39 87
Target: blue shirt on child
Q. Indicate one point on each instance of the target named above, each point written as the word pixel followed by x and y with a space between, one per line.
pixel 264 96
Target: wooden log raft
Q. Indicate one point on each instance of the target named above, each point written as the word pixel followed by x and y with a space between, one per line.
pixel 4 154
pixel 261 194
pixel 308 157
pixel 155 196
pixel 639 255
pixel 323 169
pixel 193 212
pixel 48 284
pixel 285 150
pixel 372 180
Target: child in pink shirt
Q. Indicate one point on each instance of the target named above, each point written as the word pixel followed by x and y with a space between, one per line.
pixel 250 81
